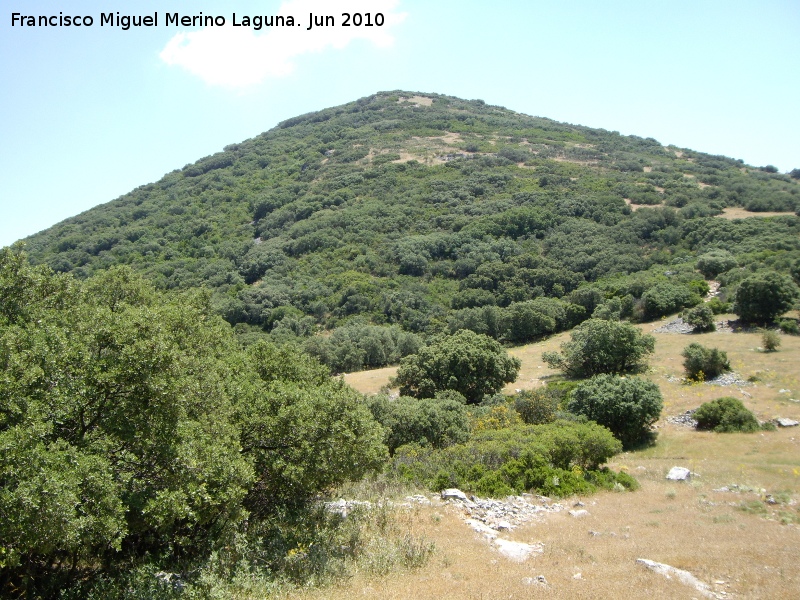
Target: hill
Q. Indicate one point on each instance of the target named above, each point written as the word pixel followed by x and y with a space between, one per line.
pixel 421 213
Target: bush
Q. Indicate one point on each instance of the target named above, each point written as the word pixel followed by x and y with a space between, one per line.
pixel 725 415
pixel 666 298
pixel 472 364
pixel 718 307
pixel 560 459
pixel 715 262
pixel 600 346
pixel 536 407
pixel 789 326
pixel 628 406
pixel 435 422
pixel 700 317
pixel 763 297
pixel 770 340
pixel 701 363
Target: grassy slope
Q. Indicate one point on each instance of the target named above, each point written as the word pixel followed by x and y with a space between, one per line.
pixel 689 526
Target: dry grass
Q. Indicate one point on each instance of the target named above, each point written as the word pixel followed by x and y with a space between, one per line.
pixel 740 213
pixel 686 525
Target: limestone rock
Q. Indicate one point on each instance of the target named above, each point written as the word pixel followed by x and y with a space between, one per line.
pixel 454 494
pixel 684 577
pixel 679 474
pixel 781 422
pixel 517 551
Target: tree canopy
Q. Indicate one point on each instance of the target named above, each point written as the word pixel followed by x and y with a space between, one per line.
pixel 600 346
pixel 628 406
pixel 764 296
pixel 470 363
pixel 132 423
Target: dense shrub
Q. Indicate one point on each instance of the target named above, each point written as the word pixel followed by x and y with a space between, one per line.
pixel 701 363
pixel 763 297
pixel 601 346
pixel 132 427
pixel 715 262
pixel 537 407
pixel 725 415
pixel 628 406
pixel 560 459
pixel 667 298
pixel 358 346
pixel 472 364
pixel 719 307
pixel 789 326
pixel 700 317
pixel 435 422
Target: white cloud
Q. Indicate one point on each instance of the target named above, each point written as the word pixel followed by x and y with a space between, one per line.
pixel 239 56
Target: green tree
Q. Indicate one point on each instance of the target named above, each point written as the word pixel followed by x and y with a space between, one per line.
pixel 470 363
pixel 666 298
pixel 628 406
pixel 132 425
pixel 116 424
pixel 600 346
pixel 762 297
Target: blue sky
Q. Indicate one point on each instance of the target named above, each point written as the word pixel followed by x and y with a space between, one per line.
pixel 89 113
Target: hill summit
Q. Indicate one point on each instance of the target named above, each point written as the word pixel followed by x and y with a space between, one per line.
pixel 407 209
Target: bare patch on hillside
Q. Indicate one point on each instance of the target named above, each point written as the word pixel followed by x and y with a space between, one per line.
pixel 417 100
pixel 741 213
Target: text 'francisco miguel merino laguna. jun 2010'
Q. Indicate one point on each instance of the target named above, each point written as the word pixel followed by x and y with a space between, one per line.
pixel 126 22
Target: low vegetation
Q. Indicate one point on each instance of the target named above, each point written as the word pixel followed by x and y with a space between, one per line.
pixel 701 363
pixel 169 425
pixel 726 415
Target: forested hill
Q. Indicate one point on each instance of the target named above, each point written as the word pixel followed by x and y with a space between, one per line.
pixel 424 213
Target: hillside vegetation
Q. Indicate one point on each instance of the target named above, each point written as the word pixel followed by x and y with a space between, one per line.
pixel 399 216
pixel 169 425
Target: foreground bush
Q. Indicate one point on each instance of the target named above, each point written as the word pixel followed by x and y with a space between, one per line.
pixel 725 415
pixel 701 363
pixel 628 406
pixel 600 346
pixel 134 431
pixel 559 459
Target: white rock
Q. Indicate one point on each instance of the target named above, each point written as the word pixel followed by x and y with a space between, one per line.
pixel 454 494
pixel 517 551
pixel 538 580
pixel 684 577
pixel 679 474
pixel 481 528
pixel 787 422
pixel 579 513
pixel 503 526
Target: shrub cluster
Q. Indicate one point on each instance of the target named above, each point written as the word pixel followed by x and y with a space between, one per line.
pixel 602 346
pixel 560 459
pixel 726 415
pixel 628 406
pixel 701 363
